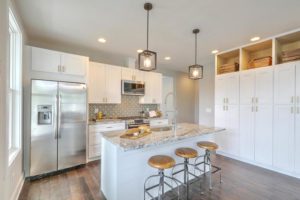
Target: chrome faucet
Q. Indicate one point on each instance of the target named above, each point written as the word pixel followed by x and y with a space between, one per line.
pixel 174 120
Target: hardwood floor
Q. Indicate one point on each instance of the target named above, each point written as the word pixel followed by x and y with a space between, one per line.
pixel 240 182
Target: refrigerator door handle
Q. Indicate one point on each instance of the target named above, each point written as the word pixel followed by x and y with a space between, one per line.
pixel 58 117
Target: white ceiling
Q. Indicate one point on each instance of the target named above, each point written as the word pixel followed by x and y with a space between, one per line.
pixel 224 24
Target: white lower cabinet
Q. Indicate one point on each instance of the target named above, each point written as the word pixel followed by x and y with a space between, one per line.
pixel 297 142
pixel 284 137
pixel 228 117
pixel 263 137
pixel 247 120
pixel 95 135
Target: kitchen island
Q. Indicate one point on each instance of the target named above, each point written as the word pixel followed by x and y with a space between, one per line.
pixel 124 165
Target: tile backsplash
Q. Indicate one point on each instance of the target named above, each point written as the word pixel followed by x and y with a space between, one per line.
pixel 129 107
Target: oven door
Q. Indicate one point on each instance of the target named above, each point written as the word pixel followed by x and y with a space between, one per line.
pixel 133 88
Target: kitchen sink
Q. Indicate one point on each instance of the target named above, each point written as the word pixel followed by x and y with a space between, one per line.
pixel 159 129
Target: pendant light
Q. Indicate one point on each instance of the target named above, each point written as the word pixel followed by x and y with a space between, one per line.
pixel 147 59
pixel 196 71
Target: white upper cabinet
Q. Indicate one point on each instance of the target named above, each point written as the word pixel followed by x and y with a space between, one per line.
pixel 45 60
pixel 132 74
pixel 297 141
pixel 285 83
pixel 227 89
pixel 247 87
pixel 97 83
pixel 113 84
pixel 256 86
pixel 264 86
pixel 298 83
pixel 104 83
pixel 73 64
pixel 153 88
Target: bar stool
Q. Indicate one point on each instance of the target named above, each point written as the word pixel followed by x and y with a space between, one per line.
pixel 209 147
pixel 160 162
pixel 186 153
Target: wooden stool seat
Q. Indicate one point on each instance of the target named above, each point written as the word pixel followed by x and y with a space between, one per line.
pixel 186 152
pixel 161 162
pixel 211 146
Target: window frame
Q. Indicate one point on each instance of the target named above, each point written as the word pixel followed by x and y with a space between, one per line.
pixel 14 90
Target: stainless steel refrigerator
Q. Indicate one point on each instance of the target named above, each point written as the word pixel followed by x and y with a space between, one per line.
pixel 58 126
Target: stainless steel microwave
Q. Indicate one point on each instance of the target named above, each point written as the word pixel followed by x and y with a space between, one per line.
pixel 133 88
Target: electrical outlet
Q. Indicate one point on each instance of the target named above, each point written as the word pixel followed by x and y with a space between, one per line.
pixel 96 110
pixel 208 110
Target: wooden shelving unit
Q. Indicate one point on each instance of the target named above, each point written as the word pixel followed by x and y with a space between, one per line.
pixel 230 57
pixel 284 43
pixel 255 51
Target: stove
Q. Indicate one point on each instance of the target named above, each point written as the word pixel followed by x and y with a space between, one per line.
pixel 135 121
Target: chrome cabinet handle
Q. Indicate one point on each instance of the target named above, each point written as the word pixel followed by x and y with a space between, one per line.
pixel 227 100
pixel 256 99
pixel 252 100
pixel 298 110
pixel 292 109
pixel 298 99
pixel 256 109
pixel 292 99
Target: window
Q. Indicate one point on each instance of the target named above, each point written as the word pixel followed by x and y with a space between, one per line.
pixel 15 88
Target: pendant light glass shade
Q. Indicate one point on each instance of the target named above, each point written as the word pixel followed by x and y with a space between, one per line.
pixel 196 71
pixel 147 59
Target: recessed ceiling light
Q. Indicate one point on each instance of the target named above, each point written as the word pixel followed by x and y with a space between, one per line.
pixel 140 50
pixel 167 58
pixel 255 39
pixel 214 51
pixel 101 40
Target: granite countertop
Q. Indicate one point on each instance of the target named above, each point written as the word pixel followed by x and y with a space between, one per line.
pixel 105 121
pixel 183 131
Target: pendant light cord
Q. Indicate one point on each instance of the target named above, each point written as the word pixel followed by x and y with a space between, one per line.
pixel 195 48
pixel 147 28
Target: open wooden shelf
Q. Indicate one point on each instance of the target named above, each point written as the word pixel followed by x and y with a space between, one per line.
pixel 230 57
pixel 255 51
pixel 284 43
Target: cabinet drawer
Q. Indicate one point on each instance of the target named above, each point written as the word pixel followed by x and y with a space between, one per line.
pixel 95 138
pixel 106 127
pixel 159 122
pixel 94 151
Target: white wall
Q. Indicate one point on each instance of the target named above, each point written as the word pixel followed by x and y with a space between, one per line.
pixel 11 176
pixel 206 90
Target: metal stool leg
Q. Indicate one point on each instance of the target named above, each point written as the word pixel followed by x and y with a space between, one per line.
pixel 186 177
pixel 210 171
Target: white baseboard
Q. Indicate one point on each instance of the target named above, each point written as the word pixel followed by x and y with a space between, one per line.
pixel 272 168
pixel 18 189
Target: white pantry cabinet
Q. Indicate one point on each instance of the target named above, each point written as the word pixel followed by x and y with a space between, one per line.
pixel 227 89
pixel 228 118
pixel 256 115
pixel 104 83
pixel 285 75
pixel 132 74
pixel 45 60
pixel 284 137
pixel 153 88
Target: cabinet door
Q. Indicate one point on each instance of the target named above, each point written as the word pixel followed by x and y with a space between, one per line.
pixel 284 125
pixel 220 121
pixel 247 87
pixel 127 74
pixel 297 142
pixel 220 90
pixel 264 86
pixel 97 83
pixel 139 75
pixel 113 84
pixel 73 64
pixel 298 83
pixel 284 83
pixel 45 60
pixel 247 132
pixel 156 88
pixel 232 127
pixel 232 88
pixel 264 134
